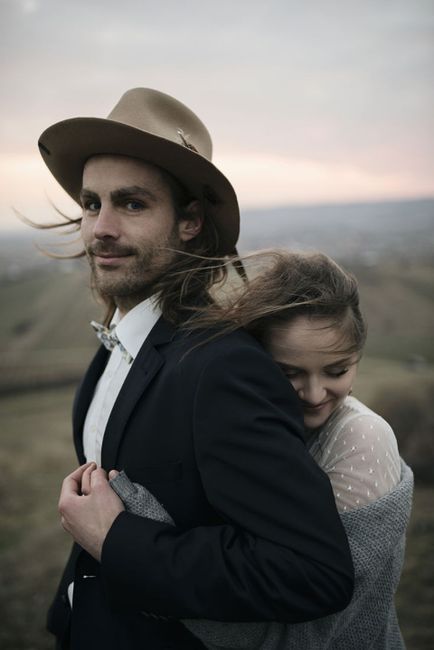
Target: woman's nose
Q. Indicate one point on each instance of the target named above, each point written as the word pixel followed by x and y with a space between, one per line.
pixel 312 391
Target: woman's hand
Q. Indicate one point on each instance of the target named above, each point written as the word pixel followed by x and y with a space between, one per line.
pixel 88 507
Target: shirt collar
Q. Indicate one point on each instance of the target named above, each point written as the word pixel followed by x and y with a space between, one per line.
pixel 133 329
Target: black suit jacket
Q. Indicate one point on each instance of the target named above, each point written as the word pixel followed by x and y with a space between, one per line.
pixel 214 430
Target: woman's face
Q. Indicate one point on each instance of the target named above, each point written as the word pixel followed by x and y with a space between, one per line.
pixel 308 351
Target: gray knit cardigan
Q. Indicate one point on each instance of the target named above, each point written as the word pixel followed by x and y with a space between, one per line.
pixel 376 533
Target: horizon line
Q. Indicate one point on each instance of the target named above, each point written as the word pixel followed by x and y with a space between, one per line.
pixel 11 229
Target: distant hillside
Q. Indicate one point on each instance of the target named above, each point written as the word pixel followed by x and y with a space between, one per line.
pixel 47 305
pixel 45 335
pixel 44 331
pixel 360 230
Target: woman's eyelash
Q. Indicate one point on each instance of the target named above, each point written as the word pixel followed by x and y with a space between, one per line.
pixel 337 373
pixel 293 372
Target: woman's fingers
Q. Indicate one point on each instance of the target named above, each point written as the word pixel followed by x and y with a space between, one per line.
pixel 86 479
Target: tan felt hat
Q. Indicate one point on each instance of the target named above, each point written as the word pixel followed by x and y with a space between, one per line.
pixel 155 128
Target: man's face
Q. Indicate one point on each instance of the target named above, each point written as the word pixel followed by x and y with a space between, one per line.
pixel 128 224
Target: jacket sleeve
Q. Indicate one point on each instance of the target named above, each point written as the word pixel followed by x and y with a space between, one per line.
pixel 282 553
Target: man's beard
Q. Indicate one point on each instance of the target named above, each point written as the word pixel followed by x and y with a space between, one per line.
pixel 137 277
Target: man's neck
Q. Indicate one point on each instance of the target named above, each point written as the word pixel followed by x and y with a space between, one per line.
pixel 125 304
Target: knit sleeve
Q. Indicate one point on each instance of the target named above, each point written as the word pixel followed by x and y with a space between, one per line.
pixel 362 461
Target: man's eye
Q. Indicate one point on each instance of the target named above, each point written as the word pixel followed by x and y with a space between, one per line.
pixel 91 206
pixel 134 206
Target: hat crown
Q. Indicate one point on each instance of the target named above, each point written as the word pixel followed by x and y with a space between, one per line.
pixel 164 116
pixel 151 126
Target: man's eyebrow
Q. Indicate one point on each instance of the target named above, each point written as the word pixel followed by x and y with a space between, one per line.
pixel 133 190
pixel 121 193
pixel 85 193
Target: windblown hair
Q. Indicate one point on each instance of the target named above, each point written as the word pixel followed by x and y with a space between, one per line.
pixel 289 285
pixel 194 270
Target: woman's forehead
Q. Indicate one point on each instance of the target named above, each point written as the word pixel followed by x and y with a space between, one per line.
pixel 305 336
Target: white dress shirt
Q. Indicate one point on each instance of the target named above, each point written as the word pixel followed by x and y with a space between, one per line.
pixel 132 331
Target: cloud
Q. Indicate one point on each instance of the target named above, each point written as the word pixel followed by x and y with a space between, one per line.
pixel 29 6
pixel 325 88
pixel 30 189
pixel 264 180
pixel 260 180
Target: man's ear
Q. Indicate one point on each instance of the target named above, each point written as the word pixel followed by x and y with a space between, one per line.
pixel 191 225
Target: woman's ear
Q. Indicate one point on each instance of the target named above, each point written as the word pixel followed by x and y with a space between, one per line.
pixel 191 225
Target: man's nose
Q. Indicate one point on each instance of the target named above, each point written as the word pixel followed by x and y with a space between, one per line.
pixel 106 223
pixel 312 391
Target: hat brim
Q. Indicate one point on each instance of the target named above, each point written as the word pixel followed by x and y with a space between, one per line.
pixel 67 145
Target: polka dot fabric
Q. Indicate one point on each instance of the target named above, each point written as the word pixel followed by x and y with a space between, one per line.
pixel 359 452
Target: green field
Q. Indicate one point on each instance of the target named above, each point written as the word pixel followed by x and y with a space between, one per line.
pixel 45 335
pixel 45 342
pixel 36 453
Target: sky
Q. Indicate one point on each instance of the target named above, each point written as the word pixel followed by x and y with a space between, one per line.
pixel 311 101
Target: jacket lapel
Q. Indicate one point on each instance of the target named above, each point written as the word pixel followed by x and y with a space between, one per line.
pixel 143 370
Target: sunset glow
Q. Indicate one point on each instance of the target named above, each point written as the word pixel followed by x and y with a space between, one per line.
pixel 303 105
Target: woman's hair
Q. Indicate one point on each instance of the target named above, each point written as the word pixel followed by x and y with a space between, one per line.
pixel 288 285
pixel 193 271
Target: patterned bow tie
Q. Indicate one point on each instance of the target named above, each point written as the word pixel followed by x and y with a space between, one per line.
pixel 110 340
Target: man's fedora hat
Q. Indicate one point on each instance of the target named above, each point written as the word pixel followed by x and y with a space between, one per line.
pixel 155 128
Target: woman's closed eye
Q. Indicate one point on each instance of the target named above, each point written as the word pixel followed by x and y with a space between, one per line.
pixel 336 372
pixel 290 371
pixel 333 372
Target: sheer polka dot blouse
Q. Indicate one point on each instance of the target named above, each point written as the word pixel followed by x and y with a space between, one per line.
pixel 358 451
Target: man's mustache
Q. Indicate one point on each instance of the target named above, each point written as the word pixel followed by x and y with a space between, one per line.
pixel 101 248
